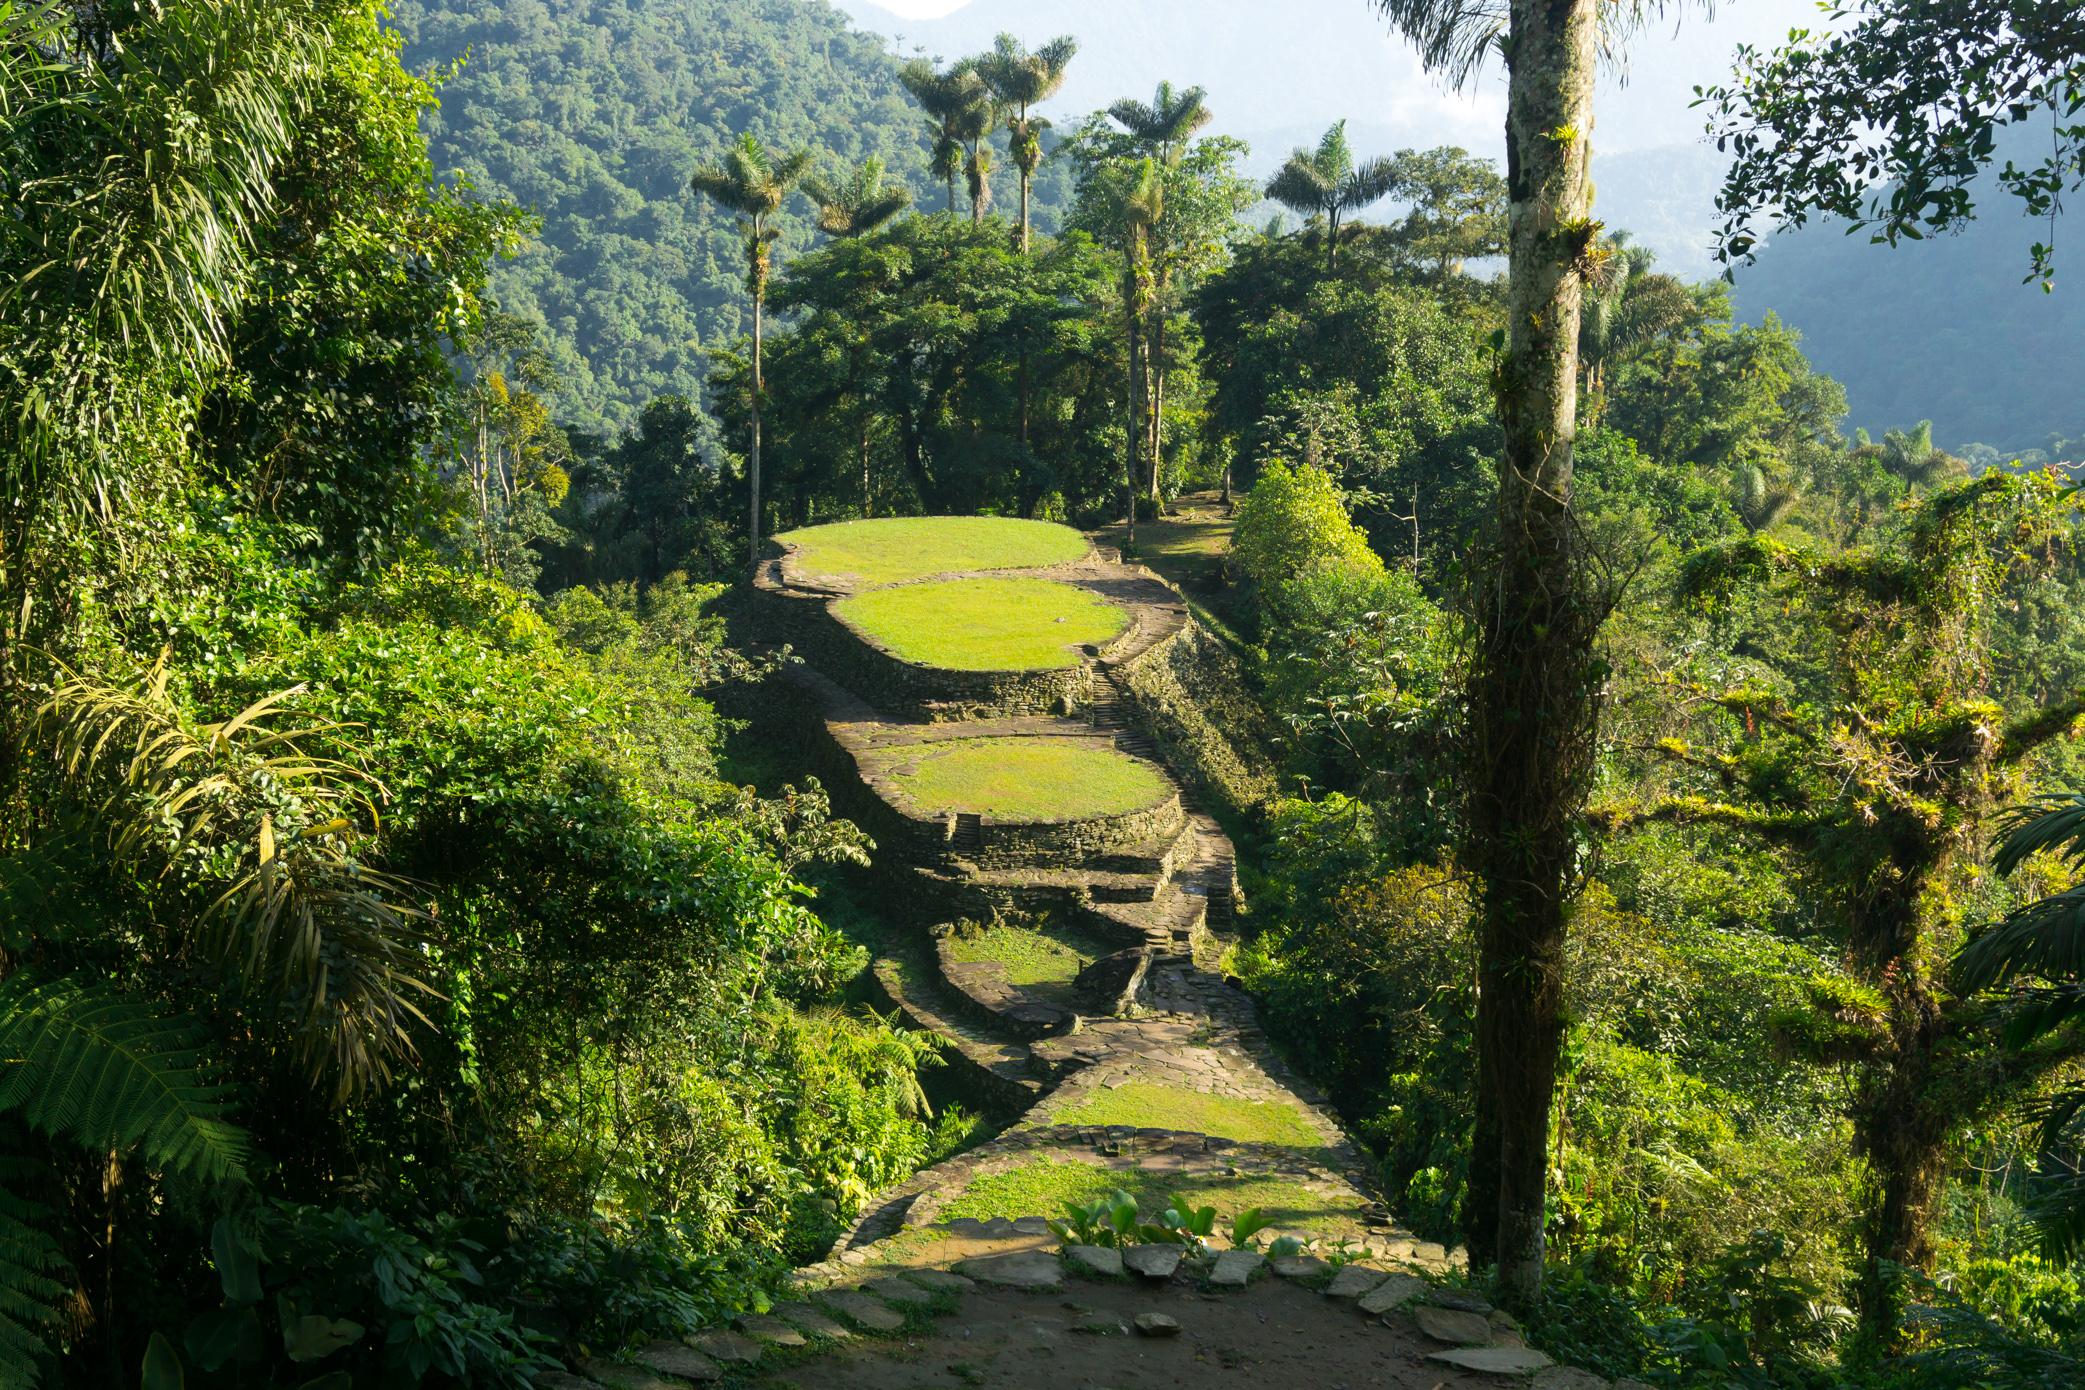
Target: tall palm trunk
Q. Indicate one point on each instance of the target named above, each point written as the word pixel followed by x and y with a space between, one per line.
pixel 1533 684
pixel 1132 442
pixel 759 277
pixel 1158 400
pixel 1026 175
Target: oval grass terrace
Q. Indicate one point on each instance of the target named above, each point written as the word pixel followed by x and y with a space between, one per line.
pixel 891 550
pixel 1030 779
pixel 983 623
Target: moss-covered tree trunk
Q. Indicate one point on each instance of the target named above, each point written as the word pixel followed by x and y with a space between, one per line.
pixel 1533 681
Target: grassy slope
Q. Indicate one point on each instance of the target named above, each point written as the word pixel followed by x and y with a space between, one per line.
pixel 890 549
pixel 1044 961
pixel 1173 1107
pixel 1044 1189
pixel 1034 779
pixel 984 624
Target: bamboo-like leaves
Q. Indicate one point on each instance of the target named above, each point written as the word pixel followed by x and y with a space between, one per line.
pixel 268 840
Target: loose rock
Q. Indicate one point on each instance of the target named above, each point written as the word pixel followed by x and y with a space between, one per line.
pixel 774 1331
pixel 1452 1325
pixel 804 1318
pixel 939 1280
pixel 1023 1269
pixel 1392 1293
pixel 1157 1325
pixel 1498 1361
pixel 1299 1266
pixel 1153 1261
pixel 1095 1259
pixel 1352 1281
pixel 1460 1299
pixel 673 1359
pixel 617 1377
pixel 1235 1268
pixel 728 1347
pixel 900 1292
pixel 864 1311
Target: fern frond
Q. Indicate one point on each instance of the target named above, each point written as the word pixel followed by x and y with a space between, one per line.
pixel 30 1269
pixel 82 1062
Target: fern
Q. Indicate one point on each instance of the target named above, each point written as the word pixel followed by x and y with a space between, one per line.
pixel 82 1062
pixel 30 1264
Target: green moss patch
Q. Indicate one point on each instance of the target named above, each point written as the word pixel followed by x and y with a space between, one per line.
pixel 1024 779
pixel 1145 1105
pixel 1044 961
pixel 984 624
pixel 1045 1189
pixel 891 549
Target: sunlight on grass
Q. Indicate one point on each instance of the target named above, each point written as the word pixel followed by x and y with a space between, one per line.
pixel 984 624
pixel 1045 1189
pixel 1036 779
pixel 1143 1104
pixel 1044 962
pixel 890 549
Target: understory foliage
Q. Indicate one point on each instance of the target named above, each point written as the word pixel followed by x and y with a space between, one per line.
pixel 391 992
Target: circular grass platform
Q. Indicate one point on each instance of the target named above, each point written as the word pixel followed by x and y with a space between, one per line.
pixel 1026 779
pixel 889 550
pixel 983 624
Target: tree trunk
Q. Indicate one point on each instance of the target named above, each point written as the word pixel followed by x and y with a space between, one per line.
pixel 1134 434
pixel 1157 423
pixel 1906 1147
pixel 868 498
pixel 1025 176
pixel 753 459
pixel 1533 683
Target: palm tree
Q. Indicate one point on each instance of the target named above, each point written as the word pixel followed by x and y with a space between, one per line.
pixel 753 183
pixel 1141 205
pixel 1326 182
pixel 1626 305
pixel 859 203
pixel 1163 128
pixel 856 206
pixel 1021 80
pixel 1167 124
pixel 1534 682
pixel 951 100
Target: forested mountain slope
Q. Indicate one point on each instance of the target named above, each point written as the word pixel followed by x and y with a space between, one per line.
pixel 593 113
pixel 1941 329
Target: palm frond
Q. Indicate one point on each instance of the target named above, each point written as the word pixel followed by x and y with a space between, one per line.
pixel 2054 823
pixel 81 1062
pixel 270 840
pixel 1454 37
pixel 1371 181
pixel 1299 186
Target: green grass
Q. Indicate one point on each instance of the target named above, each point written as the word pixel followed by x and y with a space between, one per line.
pixel 1143 1104
pixel 984 624
pixel 1045 1189
pixel 1044 962
pixel 890 549
pixel 1024 779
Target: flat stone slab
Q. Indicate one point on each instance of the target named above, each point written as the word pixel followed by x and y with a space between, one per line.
pixel 1157 1325
pixel 1498 1361
pixel 727 1347
pixel 939 1280
pixel 864 1311
pixel 1352 1281
pixel 618 1377
pixel 1299 1266
pixel 1452 1325
pixel 899 1291
pixel 1023 1269
pixel 1394 1292
pixel 1235 1268
pixel 1095 1259
pixel 1460 1299
pixel 1153 1261
pixel 1566 1378
pixel 772 1331
pixel 804 1318
pixel 673 1359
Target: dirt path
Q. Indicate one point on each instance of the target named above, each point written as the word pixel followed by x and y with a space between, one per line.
pixel 1271 1334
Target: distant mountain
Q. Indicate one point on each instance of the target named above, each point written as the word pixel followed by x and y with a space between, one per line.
pixel 1939 330
pixel 594 112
